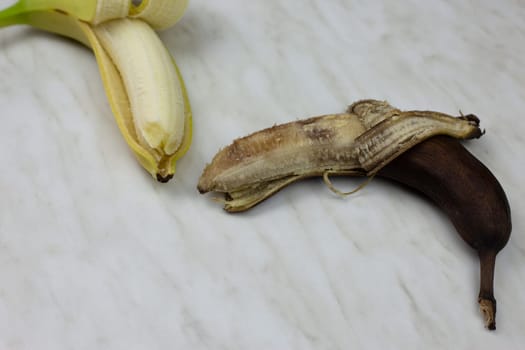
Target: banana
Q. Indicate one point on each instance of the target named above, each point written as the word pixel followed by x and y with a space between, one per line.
pixel 143 84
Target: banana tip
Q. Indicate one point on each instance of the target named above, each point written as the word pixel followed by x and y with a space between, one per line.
pixel 202 189
pixel 488 309
pixel 164 178
pixel 471 118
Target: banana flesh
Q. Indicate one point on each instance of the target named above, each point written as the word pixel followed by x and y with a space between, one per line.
pixel 144 86
pixel 129 43
pixel 357 143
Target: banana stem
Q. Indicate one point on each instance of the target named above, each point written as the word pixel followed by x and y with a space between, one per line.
pixel 487 302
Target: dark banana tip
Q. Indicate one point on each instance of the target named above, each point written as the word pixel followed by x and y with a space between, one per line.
pixel 471 118
pixel 474 120
pixel 164 179
pixel 477 133
pixel 204 185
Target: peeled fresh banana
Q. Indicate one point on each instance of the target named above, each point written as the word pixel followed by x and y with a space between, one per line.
pixel 144 86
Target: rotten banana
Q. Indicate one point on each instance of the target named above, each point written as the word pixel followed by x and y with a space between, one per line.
pixel 374 138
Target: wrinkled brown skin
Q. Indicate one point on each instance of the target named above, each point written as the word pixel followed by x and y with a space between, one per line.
pixel 442 169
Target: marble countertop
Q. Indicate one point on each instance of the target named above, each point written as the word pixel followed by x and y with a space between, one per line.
pixel 96 255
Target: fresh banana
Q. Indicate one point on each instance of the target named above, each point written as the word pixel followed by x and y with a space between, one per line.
pixel 143 84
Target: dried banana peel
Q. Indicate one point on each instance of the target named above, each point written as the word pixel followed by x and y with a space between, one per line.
pixel 358 143
pixel 142 81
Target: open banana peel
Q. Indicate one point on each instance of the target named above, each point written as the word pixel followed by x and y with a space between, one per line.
pixel 143 84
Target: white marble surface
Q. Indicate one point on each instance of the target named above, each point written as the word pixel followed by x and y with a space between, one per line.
pixel 95 255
